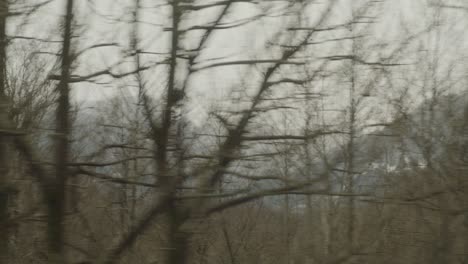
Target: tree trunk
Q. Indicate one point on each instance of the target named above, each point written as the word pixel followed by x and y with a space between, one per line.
pixel 178 238
pixel 57 188
pixel 4 168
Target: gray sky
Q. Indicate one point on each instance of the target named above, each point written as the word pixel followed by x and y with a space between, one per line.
pixel 106 21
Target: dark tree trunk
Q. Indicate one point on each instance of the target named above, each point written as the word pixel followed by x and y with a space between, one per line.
pixel 57 188
pixel 4 190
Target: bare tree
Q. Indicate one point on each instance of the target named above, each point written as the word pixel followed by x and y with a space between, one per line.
pixel 211 150
pixel 4 170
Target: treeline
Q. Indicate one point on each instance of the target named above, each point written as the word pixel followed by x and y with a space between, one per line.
pixel 237 131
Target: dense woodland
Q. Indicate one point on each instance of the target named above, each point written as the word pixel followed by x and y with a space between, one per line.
pixel 233 131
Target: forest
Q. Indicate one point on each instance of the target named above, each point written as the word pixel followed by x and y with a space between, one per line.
pixel 233 131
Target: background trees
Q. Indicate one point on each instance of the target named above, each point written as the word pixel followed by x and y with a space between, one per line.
pixel 230 131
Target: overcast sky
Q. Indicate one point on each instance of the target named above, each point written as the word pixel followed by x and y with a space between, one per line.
pixel 106 21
